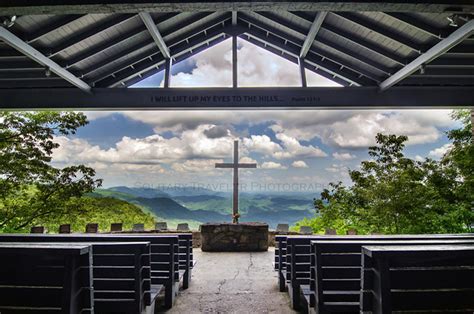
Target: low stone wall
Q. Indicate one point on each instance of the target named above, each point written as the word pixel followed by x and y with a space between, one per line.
pixel 197 235
pixel 273 233
pixel 228 237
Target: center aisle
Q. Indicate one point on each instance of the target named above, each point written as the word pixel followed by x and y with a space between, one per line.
pixel 233 283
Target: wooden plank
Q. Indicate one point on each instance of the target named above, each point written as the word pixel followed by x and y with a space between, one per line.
pixel 433 97
pixel 24 7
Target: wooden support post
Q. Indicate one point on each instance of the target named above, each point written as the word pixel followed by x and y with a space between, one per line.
pixel 281 278
pixel 167 72
pixel 302 72
pixel 234 61
pixel 382 286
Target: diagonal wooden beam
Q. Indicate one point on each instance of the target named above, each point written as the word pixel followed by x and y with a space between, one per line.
pixel 359 41
pixel 313 31
pixel 155 34
pixel 440 48
pixel 15 42
pixel 101 47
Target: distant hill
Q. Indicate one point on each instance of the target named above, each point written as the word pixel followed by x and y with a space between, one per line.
pixel 213 206
pixel 139 192
pixel 199 198
pixel 177 191
pixel 168 208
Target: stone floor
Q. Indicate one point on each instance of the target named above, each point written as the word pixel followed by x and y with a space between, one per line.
pixel 233 283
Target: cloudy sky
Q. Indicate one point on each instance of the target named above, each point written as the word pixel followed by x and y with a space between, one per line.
pixel 297 151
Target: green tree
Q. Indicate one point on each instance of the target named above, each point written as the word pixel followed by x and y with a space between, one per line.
pixel 31 189
pixel 391 193
pixel 101 210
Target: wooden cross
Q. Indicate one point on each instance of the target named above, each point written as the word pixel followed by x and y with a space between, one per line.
pixel 235 165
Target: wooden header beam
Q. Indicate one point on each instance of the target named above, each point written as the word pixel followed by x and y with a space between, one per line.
pixel 237 98
pixel 26 7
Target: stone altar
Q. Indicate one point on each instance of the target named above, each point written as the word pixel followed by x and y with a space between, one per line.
pixel 229 237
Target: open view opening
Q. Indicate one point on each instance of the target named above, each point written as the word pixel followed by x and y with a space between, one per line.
pixel 236 157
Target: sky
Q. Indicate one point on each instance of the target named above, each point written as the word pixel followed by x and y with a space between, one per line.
pixel 296 151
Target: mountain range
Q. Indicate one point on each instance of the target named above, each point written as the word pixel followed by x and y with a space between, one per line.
pixel 199 205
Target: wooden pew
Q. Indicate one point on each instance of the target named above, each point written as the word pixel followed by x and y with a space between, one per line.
pixel 163 265
pixel 336 271
pixel 186 257
pixel 185 254
pixel 418 278
pixel 295 270
pixel 280 261
pixel 45 278
pixel 121 276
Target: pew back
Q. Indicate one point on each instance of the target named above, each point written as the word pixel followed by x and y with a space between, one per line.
pixel 296 269
pixel 418 278
pixel 163 266
pixel 45 278
pixel 336 270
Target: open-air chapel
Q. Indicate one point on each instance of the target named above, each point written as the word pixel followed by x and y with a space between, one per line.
pixel 91 55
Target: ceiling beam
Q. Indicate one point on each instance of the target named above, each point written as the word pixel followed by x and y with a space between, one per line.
pixel 155 34
pixel 293 46
pixel 419 25
pixel 121 55
pixel 93 30
pixel 313 31
pixel 15 42
pixel 108 44
pixel 440 48
pixel 25 7
pixel 182 57
pixel 177 50
pixel 360 20
pixel 216 22
pixel 19 65
pixel 49 28
pixel 359 41
pixel 324 64
pixel 234 17
pixel 282 98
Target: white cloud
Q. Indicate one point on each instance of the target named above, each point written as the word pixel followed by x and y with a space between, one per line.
pixel 154 149
pixel 337 168
pixel 299 164
pixel 195 165
pixel 247 160
pixel 293 148
pixel 261 144
pixel 343 156
pixel 272 165
pixel 439 152
pixel 290 147
pixel 341 128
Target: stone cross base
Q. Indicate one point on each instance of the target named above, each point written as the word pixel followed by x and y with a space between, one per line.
pixel 228 237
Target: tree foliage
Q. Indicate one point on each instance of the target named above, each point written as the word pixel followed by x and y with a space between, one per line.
pixel 31 188
pixel 391 193
pixel 103 211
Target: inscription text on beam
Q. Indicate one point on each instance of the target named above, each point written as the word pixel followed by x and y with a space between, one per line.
pixel 235 165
